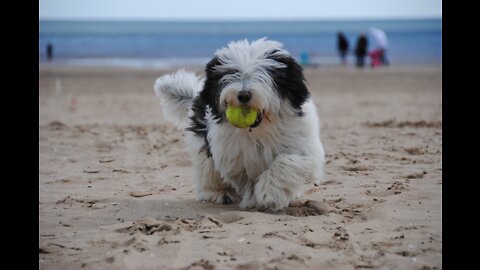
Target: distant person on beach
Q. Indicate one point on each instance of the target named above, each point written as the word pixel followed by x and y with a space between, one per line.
pixel 361 50
pixel 342 46
pixel 381 44
pixel 49 51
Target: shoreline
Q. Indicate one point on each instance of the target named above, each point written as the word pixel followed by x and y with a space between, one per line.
pixel 62 68
pixel 178 62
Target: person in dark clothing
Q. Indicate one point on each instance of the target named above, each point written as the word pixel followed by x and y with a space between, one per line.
pixel 342 46
pixel 49 51
pixel 361 50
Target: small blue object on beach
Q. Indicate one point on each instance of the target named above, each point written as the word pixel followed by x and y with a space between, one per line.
pixel 304 58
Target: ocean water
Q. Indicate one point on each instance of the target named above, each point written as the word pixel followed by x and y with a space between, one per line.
pixel 164 44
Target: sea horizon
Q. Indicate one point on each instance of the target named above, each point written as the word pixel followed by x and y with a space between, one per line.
pixel 160 44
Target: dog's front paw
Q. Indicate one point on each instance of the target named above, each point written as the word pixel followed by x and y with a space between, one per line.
pixel 221 197
pixel 248 200
pixel 272 197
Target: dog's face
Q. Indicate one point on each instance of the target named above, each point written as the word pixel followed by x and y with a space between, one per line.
pixel 259 75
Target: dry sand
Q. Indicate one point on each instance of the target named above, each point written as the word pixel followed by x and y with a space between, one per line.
pixel 115 186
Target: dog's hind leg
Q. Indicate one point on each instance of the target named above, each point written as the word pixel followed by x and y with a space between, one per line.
pixel 209 185
pixel 281 182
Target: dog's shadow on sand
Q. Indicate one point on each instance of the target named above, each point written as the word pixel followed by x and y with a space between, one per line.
pixel 132 209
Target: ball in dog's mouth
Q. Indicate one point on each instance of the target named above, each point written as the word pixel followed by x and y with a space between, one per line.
pixel 258 120
pixel 243 117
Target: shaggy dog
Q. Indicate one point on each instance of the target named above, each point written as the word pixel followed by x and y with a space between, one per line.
pixel 264 165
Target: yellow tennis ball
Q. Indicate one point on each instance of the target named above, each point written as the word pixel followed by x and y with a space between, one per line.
pixel 240 116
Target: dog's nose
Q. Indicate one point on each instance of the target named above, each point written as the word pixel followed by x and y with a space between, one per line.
pixel 244 96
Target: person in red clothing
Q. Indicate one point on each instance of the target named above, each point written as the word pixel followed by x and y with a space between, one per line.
pixel 381 44
pixel 375 58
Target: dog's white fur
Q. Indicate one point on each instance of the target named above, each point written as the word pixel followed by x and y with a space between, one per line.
pixel 265 166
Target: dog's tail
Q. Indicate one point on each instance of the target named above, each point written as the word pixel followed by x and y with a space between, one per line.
pixel 177 92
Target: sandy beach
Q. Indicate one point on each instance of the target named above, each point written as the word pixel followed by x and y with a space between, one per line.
pixel 115 186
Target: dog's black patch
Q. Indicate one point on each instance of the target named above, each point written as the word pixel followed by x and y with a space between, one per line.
pixel 199 124
pixel 289 81
pixel 210 94
pixel 208 98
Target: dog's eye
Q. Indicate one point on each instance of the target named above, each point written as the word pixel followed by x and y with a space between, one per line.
pixel 231 71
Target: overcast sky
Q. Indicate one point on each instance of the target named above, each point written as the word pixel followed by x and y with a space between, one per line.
pixel 237 9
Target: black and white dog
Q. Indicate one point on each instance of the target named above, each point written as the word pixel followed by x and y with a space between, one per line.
pixel 265 165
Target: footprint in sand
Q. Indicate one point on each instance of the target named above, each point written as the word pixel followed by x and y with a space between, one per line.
pixel 340 240
pixel 414 151
pixel 395 188
pixel 307 208
pixel 359 168
pixel 350 211
pixel 292 261
pixel 340 235
pixel 228 217
pixel 200 264
pixel 146 226
pixel 68 202
pixel 150 226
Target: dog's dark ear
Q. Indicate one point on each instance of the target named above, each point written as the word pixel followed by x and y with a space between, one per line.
pixel 290 82
pixel 212 64
pixel 211 90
